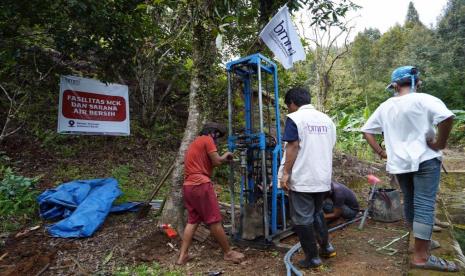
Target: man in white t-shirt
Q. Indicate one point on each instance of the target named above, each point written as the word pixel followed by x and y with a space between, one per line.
pixel 306 173
pixel 413 154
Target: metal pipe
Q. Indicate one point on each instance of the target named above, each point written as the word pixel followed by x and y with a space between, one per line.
pixel 370 199
pixel 231 168
pixel 265 187
pixel 337 227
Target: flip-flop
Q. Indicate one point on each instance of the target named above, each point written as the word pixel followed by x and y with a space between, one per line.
pixel 435 263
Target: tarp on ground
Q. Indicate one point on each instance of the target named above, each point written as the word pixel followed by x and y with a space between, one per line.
pixel 82 205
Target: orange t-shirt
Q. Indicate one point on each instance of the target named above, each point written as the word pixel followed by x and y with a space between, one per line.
pixel 198 167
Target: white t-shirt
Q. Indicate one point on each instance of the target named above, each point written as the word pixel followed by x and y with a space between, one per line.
pixel 407 122
pixel 312 168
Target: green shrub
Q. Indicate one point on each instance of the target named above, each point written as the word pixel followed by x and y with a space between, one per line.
pixel 17 199
pixel 133 184
pixel 349 137
pixel 146 269
pixel 458 132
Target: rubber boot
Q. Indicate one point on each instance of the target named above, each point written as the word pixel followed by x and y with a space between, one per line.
pixel 321 229
pixel 308 243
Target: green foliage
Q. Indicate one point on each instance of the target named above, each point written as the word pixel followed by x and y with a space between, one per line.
pixel 349 138
pixel 360 80
pixel 458 131
pixel 451 61
pixel 412 15
pixel 136 185
pixel 459 234
pixel 4 159
pixel 146 270
pixel 122 173
pixel 17 199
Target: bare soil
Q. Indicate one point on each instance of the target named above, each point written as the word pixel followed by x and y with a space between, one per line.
pixel 121 241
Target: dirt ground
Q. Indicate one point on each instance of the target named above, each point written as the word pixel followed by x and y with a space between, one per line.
pixel 122 242
pixel 454 160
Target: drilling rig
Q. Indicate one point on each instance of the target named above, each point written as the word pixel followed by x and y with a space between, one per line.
pixel 255 139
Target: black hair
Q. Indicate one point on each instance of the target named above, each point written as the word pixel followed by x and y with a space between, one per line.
pixel 407 82
pixel 297 95
pixel 208 130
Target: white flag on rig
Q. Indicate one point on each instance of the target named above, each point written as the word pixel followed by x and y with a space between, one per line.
pixel 281 37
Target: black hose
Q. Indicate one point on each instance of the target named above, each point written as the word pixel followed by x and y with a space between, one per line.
pixel 290 268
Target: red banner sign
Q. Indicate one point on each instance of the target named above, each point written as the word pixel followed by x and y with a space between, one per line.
pixel 91 106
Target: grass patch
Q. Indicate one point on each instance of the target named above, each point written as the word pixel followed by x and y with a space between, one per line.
pixel 18 204
pixel 68 172
pixel 135 185
pixel 147 269
pixel 459 234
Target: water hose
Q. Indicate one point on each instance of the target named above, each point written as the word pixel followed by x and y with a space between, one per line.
pixel 290 268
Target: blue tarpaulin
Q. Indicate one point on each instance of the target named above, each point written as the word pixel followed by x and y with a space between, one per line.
pixel 82 205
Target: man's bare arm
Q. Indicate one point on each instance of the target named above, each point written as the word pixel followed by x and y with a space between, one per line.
pixel 217 159
pixel 374 144
pixel 337 212
pixel 444 129
pixel 292 149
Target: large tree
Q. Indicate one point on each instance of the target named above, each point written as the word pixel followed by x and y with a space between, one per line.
pixel 451 32
pixel 204 57
pixel 412 17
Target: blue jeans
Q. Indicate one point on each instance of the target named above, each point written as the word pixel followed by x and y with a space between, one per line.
pixel 419 189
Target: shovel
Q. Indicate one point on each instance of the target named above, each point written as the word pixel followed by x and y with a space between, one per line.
pixel 144 208
pixel 373 180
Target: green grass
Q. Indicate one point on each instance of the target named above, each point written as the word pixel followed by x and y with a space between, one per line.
pixel 18 204
pixel 135 185
pixel 147 269
pixel 459 234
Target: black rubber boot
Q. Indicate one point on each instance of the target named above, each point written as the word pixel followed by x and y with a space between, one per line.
pixel 308 243
pixel 321 229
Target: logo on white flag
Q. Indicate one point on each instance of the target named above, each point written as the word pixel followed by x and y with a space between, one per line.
pixel 282 39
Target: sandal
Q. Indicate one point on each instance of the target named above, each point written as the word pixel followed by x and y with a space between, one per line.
pixel 435 263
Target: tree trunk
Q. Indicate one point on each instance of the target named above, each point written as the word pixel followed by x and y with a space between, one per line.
pixel 204 56
pixel 326 87
pixel 146 80
pixel 173 211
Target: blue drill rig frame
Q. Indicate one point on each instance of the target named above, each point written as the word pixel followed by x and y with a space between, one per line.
pixel 259 145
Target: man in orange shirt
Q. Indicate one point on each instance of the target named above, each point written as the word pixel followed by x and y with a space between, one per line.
pixel 199 197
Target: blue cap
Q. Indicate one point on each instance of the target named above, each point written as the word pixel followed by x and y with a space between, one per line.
pixel 404 73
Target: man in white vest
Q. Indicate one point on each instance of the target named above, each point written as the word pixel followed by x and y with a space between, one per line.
pixel 306 173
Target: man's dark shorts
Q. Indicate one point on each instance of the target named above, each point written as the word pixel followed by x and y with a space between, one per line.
pixel 201 204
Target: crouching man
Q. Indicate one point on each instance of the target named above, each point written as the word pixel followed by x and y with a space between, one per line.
pixel 306 173
pixel 340 202
pixel 199 197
